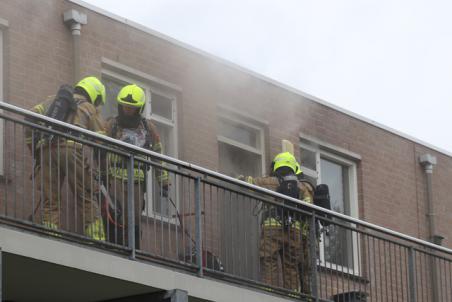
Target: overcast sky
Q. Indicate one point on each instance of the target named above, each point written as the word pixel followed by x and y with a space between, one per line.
pixel 387 60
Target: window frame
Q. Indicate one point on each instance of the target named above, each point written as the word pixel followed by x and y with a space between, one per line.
pixel 3 26
pixel 249 124
pixel 336 155
pixel 149 88
pixel 309 171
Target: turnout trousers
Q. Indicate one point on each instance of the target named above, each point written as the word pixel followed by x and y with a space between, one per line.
pixel 284 256
pixel 72 164
pixel 116 226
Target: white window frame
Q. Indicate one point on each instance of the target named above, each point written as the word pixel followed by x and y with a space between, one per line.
pixel 259 151
pixel 162 120
pixel 335 155
pixel 149 89
pixel 3 25
pixel 307 171
pixel 170 123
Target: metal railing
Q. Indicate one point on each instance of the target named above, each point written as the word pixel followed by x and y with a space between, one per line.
pixel 70 183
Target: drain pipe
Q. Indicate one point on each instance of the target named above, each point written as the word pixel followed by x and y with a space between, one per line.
pixel 74 20
pixel 428 161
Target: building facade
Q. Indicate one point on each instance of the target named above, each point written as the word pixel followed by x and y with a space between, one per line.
pixel 220 116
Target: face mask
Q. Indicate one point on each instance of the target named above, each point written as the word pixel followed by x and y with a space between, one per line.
pixel 128 121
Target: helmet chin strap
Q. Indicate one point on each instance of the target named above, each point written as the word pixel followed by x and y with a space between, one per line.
pixel 126 121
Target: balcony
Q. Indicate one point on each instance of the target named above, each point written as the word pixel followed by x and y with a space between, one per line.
pixel 196 232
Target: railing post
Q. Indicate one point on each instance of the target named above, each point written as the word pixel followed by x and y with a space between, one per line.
pixel 313 254
pixel 198 221
pixel 434 277
pixel 1 275
pixel 131 206
pixel 411 275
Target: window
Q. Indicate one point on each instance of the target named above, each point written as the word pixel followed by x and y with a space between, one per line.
pixel 161 109
pixel 241 152
pixel 240 148
pixel 339 247
pixel 112 87
pixel 1 97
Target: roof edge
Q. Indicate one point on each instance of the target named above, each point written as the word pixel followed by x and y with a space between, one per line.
pixel 257 75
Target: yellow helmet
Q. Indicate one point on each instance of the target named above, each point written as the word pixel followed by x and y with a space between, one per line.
pixel 133 96
pixel 299 171
pixel 285 159
pixel 94 88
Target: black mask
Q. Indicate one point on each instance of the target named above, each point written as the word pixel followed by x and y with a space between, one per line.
pixel 128 121
pixel 283 171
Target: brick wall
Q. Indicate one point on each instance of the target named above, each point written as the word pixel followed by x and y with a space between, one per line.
pixel 391 183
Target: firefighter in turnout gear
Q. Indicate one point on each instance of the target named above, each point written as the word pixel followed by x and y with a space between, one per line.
pixel 285 234
pixel 129 126
pixel 58 158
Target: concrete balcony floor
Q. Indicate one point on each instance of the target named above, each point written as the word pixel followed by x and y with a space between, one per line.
pixel 38 268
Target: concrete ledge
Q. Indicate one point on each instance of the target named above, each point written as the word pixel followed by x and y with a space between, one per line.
pixel 90 260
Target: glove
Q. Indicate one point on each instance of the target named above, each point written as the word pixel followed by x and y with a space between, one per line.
pixel 248 179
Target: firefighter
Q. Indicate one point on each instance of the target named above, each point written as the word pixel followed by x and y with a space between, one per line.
pixel 285 234
pixel 129 126
pixel 57 158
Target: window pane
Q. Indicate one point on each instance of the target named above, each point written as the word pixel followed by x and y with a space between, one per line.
pixel 112 88
pixel 338 242
pixel 239 133
pixel 339 246
pixel 235 161
pixel 332 175
pixel 308 159
pixel 161 202
pixel 166 138
pixel 162 106
pixel 164 199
